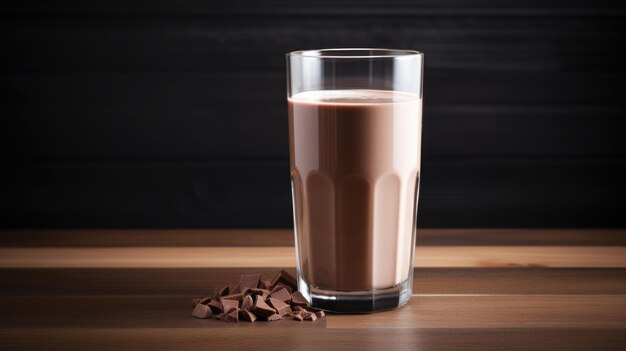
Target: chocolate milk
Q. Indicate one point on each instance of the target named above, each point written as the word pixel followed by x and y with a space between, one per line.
pixel 355 161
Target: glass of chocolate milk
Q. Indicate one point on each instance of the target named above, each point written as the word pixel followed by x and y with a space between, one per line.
pixel 355 125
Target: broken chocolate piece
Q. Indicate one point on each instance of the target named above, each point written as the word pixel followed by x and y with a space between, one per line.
pixel 237 297
pixel 274 317
pixel 229 304
pixel 282 295
pixel 232 316
pixel 285 278
pixel 252 299
pixel 263 292
pixel 298 299
pixel 204 300
pixel 216 307
pixel 280 307
pixel 196 300
pixel 309 316
pixel 247 316
pixel 224 291
pixel 249 281
pixel 247 303
pixel 280 286
pixel 261 308
pixel 202 311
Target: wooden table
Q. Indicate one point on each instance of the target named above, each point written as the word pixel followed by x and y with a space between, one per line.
pixel 473 289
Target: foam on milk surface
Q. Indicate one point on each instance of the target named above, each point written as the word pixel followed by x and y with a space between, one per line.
pixel 353 96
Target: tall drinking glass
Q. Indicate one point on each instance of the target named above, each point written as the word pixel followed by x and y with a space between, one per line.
pixel 355 124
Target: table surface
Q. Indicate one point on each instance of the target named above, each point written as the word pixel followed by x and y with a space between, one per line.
pixel 496 289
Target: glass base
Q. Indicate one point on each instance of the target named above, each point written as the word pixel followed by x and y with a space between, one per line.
pixel 363 301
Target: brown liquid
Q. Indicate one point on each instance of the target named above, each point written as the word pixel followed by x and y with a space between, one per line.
pixel 355 160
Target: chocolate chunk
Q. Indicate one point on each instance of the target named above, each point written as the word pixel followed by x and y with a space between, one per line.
pixel 285 278
pixel 274 317
pixel 203 300
pixel 280 286
pixel 261 308
pixel 252 299
pixel 224 291
pixel 229 304
pixel 263 292
pixel 216 307
pixel 309 316
pixel 206 300
pixel 232 316
pixel 280 307
pixel 298 299
pixel 282 295
pixel 196 300
pixel 238 297
pixel 249 281
pixel 248 303
pixel 202 311
pixel 247 316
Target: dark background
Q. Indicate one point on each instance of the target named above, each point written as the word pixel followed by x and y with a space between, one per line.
pixel 173 114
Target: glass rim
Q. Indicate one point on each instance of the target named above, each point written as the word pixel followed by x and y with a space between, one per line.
pixel 336 53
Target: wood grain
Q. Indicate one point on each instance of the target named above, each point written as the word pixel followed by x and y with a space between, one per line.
pixel 427 311
pixel 422 312
pixel 165 237
pixel 187 339
pixel 488 307
pixel 284 237
pixel 190 282
pixel 257 257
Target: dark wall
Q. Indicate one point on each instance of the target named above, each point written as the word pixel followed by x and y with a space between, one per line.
pixel 173 114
